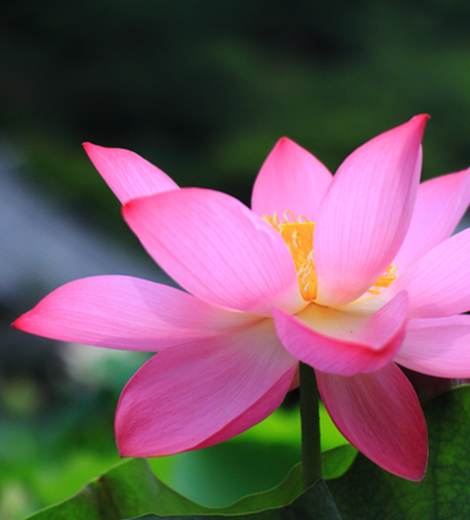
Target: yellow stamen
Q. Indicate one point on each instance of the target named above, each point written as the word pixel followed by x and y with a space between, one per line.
pixel 297 233
pixel 298 236
pixel 385 280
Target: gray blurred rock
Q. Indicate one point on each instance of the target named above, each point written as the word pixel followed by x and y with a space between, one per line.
pixel 44 246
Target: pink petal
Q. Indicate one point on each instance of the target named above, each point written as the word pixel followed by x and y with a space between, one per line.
pixel 332 341
pixel 203 393
pixel 127 174
pixel 438 347
pixel 438 284
pixel 217 249
pixel 126 313
pixel 379 413
pixel 365 214
pixel 291 179
pixel 440 205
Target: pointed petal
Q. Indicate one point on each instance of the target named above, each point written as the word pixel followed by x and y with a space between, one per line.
pixel 217 249
pixel 203 393
pixel 440 205
pixel 127 174
pixel 365 215
pixel 126 313
pixel 438 284
pixel 332 341
pixel 438 347
pixel 379 413
pixel 291 179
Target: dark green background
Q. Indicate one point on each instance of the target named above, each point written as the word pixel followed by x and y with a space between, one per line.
pixel 204 88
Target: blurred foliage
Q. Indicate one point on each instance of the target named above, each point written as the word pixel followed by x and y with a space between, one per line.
pixel 355 486
pixel 202 89
pixel 130 489
pixel 48 455
pixel 51 446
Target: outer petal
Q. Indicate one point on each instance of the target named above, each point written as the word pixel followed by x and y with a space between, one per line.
pixel 365 215
pixel 440 205
pixel 439 283
pixel 217 249
pixel 379 414
pixel 290 179
pixel 203 393
pixel 438 347
pixel 332 341
pixel 126 313
pixel 127 174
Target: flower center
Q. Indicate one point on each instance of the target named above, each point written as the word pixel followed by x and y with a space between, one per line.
pixel 297 233
pixel 385 280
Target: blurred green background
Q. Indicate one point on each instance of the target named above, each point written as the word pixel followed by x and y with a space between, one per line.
pixel 203 89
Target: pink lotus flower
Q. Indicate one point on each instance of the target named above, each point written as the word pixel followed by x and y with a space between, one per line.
pixel 348 274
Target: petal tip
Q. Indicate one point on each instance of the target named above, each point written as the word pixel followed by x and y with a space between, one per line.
pixel 420 120
pixel 127 208
pixel 416 126
pixel 415 473
pixel 90 147
pixel 285 143
pixel 418 472
pixel 419 475
pixel 23 322
pixel 17 323
pixel 284 140
pixel 422 117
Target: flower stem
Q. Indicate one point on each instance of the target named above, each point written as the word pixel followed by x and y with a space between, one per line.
pixel 310 424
